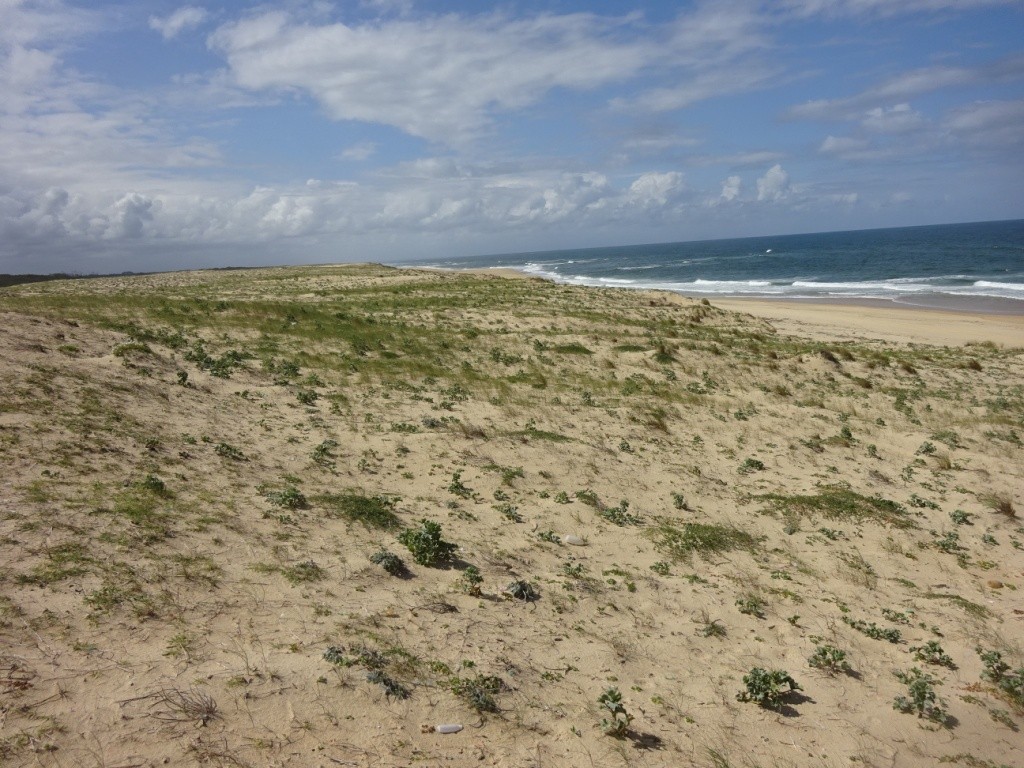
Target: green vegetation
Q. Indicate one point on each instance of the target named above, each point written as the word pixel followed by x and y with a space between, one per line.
pixel 835 503
pixel 470 580
pixel 616 719
pixel 751 465
pixel 301 573
pixel 619 515
pixel 389 561
pixel 426 545
pixel 478 691
pixel 829 659
pixel 765 687
pixel 874 631
pixel 288 497
pixel 751 605
pixel 921 698
pixel 370 511
pixel 680 543
pixel 1009 682
pixel 932 653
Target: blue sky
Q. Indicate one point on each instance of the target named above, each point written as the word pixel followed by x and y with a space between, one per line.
pixel 157 135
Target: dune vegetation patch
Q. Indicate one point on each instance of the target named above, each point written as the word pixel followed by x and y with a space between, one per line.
pixel 841 504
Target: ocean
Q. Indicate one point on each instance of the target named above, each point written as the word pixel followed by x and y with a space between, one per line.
pixel 977 266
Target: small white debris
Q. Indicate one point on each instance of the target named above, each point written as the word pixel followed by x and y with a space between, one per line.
pixel 448 728
pixel 576 541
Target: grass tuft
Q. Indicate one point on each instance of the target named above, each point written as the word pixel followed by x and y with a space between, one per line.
pixel 371 511
pixel 681 542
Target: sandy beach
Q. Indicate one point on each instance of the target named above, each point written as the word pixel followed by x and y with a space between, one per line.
pixel 840 320
pixel 306 516
pixel 1001 322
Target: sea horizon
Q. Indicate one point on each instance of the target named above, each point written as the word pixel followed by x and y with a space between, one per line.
pixel 972 266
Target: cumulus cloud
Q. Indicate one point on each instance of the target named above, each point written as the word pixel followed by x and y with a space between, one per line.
pixel 731 188
pixel 34 218
pixel 186 17
pixel 464 201
pixel 133 211
pixel 774 185
pixel 655 188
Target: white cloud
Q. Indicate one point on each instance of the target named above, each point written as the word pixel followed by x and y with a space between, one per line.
pixel 988 124
pixel 897 119
pixel 25 67
pixel 463 202
pixel 841 145
pixel 186 17
pixel 715 50
pixel 737 159
pixel 364 150
pixel 445 78
pixel 63 129
pixel 848 198
pixel 905 85
pixel 883 7
pixel 774 185
pixel 859 149
pixel 719 31
pixel 133 211
pixel 35 22
pixel 655 189
pixel 899 133
pixel 700 86
pixel 658 144
pixel 440 78
pixel 731 188
pixel 902 86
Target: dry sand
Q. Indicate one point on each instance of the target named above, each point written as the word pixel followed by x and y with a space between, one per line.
pixel 162 602
pixel 889 322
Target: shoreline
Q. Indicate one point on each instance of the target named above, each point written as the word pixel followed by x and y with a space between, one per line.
pixel 837 319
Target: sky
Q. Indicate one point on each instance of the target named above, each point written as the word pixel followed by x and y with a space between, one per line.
pixel 151 135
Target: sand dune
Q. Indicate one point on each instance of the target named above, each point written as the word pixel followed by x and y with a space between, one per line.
pixel 650 500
